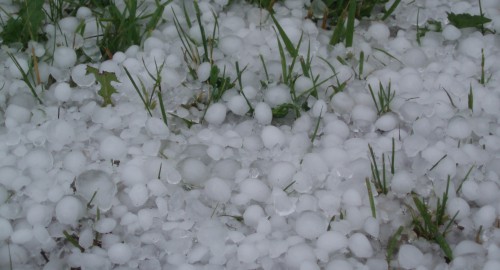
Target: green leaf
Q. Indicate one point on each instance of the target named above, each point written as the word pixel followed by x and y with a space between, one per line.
pixel 465 20
pixel 105 78
pixel 282 110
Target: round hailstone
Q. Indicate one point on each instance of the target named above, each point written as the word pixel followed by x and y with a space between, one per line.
pixel 193 171
pixel 364 113
pixel 138 194
pixel 96 185
pixel 409 256
pixel 230 44
pixel 379 31
pixel 458 128
pixel 342 102
pixel 339 265
pixel 458 206
pixel 255 189
pixel 485 217
pixel 252 215
pixel 216 114
pixel 238 105
pixel 415 57
pixel 61 132
pixel 218 190
pixel 39 158
pixel 402 183
pixel 332 241
pixel 157 127
pixel 471 46
pixel 5 229
pixel 277 95
pixel 19 114
pixel 467 247
pixel 450 32
pixel 105 225
pixel 360 246
pixel 62 92
pixel 281 174
pixel 272 136
pixel 492 264
pixel 351 197
pixel 248 253
pixel 203 71
pixel 303 84
pixel 39 214
pixel 64 57
pixel 69 210
pixel 263 113
pixel 119 253
pixel 387 122
pixel 14 70
pixel 112 147
pixel 21 236
pixel 310 225
pixel 298 254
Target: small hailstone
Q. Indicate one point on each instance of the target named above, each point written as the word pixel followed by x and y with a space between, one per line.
pixel 302 84
pixel 255 189
pixel 360 246
pixel 247 253
pixel 351 197
pixel 458 128
pixel 272 136
pixel 216 114
pixel 277 95
pixel 379 31
pixel 238 105
pixel 339 265
pixel 332 241
pixel 263 113
pixel 62 91
pixel 310 225
pixel 105 225
pixel 64 57
pixel 193 171
pixel 112 147
pixel 69 210
pixel 298 254
pixel 458 206
pixel 230 44
pixel 485 217
pixel 5 229
pixel 203 71
pixel 409 256
pixel 218 190
pixel 450 32
pixel 252 215
pixel 138 194
pixel 402 183
pixel 119 253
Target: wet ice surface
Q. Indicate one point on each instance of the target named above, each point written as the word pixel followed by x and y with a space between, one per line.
pixel 244 189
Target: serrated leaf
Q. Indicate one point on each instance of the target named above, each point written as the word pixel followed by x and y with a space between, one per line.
pixel 465 20
pixel 105 78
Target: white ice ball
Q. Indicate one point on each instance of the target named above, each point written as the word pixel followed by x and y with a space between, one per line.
pixel 69 210
pixel 216 114
pixel 310 225
pixel 119 253
pixel 64 57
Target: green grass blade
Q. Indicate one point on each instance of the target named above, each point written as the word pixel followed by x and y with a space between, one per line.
pixel 137 90
pixel 162 107
pixel 392 244
pixel 349 35
pixel 202 30
pixel 370 197
pixel 391 10
pixel 393 156
pixel 465 178
pixel 288 43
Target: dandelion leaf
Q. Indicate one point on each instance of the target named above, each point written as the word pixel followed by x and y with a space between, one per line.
pixel 105 78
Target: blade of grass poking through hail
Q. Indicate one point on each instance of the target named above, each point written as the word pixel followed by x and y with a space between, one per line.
pixel 288 43
pixel 391 10
pixel 370 197
pixel 349 35
pixel 202 30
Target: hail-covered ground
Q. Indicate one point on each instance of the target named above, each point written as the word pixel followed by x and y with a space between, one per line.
pixel 243 189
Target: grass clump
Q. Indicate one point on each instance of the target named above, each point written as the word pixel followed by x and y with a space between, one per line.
pixel 26 25
pixel 384 98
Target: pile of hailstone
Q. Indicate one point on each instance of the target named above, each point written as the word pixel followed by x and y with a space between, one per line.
pixel 91 187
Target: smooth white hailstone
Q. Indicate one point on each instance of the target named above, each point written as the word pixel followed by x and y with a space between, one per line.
pixel 218 190
pixel 302 84
pixel 249 91
pixel 485 217
pixel 379 31
pixel 339 265
pixel 342 103
pixel 5 229
pixel 387 122
pixel 247 253
pixel 230 44
pixel 471 46
pixel 263 113
pixel 409 256
pixel 113 147
pixel 203 71
pixel 277 95
pixel 39 214
pixel 18 114
pixel 272 136
pixel 415 57
pixel 96 185
pixel 157 127
pixel 458 128
pixel 39 158
pixel 83 12
pixel 281 174
pixel 402 183
pixel 12 254
pixel 360 246
pixel 319 108
pixel 105 225
pixel 238 105
pixel 216 114
pixel 413 144
pixel 69 210
pixel 120 253
pixel 21 236
pixel 61 132
pixel 193 171
pixel 298 254
pixel 450 32
pixel 62 92
pixel 255 189
pixel 309 265
pixel 364 113
pixel 491 265
pixel 351 197
pixel 138 194
pixel 467 247
pixel 310 225
pixel 372 227
pixel 458 206
pixel 332 241
pixel 470 190
pixel 252 215
pixel 64 57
